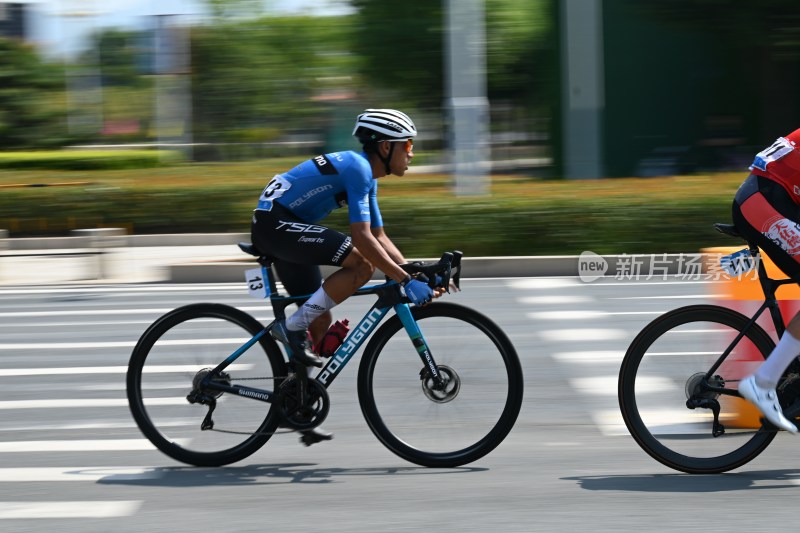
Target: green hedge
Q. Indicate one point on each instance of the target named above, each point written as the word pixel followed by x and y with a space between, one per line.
pixel 88 160
pixel 482 226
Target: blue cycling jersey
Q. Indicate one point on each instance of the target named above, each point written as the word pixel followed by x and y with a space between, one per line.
pixel 314 188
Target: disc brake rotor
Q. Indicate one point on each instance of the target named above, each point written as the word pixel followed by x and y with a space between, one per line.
pixel 222 377
pixel 694 386
pixel 448 391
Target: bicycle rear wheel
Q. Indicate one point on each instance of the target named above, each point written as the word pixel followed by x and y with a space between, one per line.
pixel 168 362
pixel 662 370
pixel 474 413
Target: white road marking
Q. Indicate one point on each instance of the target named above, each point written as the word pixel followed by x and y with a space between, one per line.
pixel 586 314
pixel 660 421
pixel 68 509
pixel 568 315
pixel 194 288
pixel 115 344
pixel 666 297
pixel 76 445
pixel 75 473
pixel 577 334
pixel 593 358
pixel 96 402
pixel 102 312
pixel 151 369
pixel 607 385
pixel 553 300
pixel 543 283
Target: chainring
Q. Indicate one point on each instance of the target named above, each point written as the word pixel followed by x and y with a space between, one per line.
pixel 302 413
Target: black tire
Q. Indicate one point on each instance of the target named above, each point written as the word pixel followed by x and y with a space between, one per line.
pixel 665 359
pixel 164 364
pixel 434 432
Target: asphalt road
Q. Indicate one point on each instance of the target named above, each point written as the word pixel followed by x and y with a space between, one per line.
pixel 71 458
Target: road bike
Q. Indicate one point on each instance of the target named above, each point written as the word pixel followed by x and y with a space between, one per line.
pixel 678 381
pixel 439 385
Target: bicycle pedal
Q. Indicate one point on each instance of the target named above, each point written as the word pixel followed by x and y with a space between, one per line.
pixel 313 436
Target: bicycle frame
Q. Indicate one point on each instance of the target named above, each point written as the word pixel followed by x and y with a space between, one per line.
pixel 768 286
pixel 388 299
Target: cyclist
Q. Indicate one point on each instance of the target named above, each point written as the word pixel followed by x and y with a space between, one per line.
pixel 766 210
pixel 285 226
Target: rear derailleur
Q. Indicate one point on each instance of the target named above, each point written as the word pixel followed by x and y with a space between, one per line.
pixel 700 397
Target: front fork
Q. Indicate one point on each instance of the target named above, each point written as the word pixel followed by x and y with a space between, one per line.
pixel 418 340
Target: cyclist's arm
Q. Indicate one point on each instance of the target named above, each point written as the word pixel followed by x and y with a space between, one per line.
pixel 373 250
pixel 388 245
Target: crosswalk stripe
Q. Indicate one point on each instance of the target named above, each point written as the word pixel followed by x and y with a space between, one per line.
pixel 68 509
pixel 75 445
pixel 591 357
pixel 567 315
pixel 75 473
pixel 607 385
pixel 117 344
pixel 150 369
pixel 559 335
pixel 542 283
pixel 553 300
pixel 78 402
pixel 102 312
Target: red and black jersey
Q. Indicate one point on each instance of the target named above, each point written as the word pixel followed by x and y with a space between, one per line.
pixel 781 162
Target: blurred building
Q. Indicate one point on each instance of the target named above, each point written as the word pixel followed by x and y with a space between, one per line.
pixel 666 87
pixel 13 20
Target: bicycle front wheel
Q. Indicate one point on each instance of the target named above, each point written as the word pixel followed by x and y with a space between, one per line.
pixel 168 363
pixel 663 369
pixel 441 428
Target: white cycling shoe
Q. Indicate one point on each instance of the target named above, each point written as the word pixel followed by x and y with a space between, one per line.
pixel 767 402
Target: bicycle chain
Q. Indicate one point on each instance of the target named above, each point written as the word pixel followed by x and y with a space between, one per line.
pixel 232 432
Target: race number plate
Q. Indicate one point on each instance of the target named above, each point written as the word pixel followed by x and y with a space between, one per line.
pixel 257 282
pixel 738 263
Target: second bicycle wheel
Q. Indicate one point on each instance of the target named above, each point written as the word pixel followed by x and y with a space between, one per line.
pixel 459 424
pixel 663 368
pixel 168 363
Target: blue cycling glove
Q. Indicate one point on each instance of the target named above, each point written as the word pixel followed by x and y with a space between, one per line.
pixel 416 291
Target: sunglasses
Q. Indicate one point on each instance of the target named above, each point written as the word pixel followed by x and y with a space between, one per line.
pixel 409 144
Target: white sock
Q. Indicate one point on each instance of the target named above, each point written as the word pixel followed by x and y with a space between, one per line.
pixel 771 370
pixel 318 303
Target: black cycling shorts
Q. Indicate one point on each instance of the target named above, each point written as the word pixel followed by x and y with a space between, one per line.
pixel 765 214
pixel 297 247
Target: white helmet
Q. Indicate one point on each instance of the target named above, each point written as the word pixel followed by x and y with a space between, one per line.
pixel 383 124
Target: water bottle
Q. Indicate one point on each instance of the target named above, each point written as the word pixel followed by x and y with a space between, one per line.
pixel 333 338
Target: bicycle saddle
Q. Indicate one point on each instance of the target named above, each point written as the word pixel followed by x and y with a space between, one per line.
pixel 250 249
pixel 728 229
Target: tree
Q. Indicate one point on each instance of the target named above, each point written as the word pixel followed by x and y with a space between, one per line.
pixel 254 78
pixel 403 48
pixel 118 56
pixel 222 9
pixel 31 98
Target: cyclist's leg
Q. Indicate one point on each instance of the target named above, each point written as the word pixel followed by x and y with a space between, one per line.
pixel 289 239
pixel 299 280
pixel 355 272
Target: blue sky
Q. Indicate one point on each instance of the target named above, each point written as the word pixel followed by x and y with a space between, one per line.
pixel 60 26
